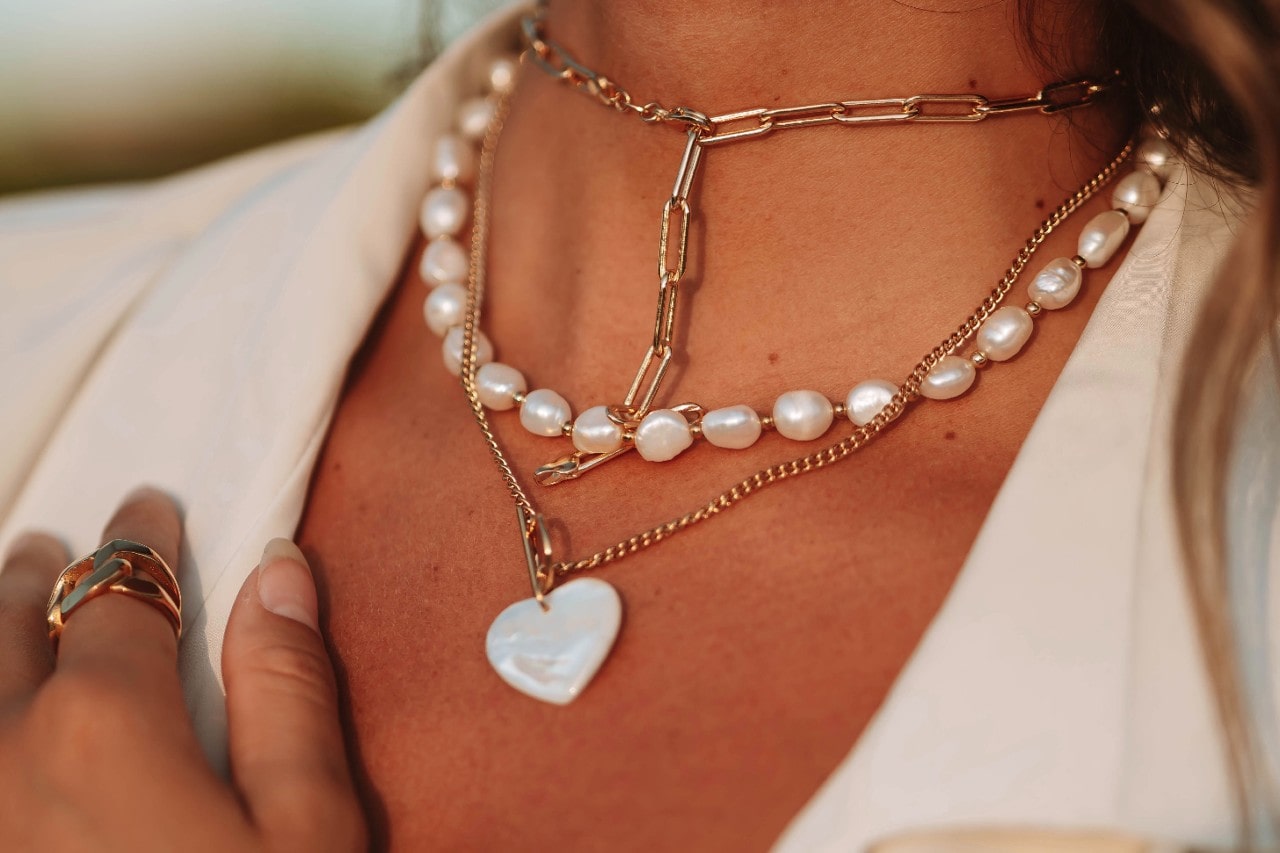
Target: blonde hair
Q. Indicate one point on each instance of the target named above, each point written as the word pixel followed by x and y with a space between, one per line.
pixel 1236 327
pixel 1209 70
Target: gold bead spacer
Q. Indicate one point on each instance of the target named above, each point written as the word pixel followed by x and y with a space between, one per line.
pixel 567 429
pixel 1080 262
pixel 839 410
pixel 518 397
pixel 1034 309
pixel 766 422
pixel 695 430
pixel 980 359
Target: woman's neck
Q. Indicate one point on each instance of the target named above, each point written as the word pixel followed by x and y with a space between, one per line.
pixel 723 55
pixel 860 244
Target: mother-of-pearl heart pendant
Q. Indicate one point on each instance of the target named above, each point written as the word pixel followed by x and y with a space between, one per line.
pixel 552 654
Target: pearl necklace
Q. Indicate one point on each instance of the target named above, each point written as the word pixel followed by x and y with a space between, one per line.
pixel 552 653
pixel 799 415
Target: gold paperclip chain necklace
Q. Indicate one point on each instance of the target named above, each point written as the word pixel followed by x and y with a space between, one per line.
pixel 704 130
pixel 727 127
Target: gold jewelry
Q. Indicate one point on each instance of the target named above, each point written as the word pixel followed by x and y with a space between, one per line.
pixel 120 566
pixel 620 428
pixel 551 652
pixel 543 571
pixel 963 107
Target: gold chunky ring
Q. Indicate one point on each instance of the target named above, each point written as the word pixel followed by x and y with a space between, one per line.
pixel 122 566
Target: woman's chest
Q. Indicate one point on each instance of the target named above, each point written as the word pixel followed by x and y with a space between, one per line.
pixel 755 646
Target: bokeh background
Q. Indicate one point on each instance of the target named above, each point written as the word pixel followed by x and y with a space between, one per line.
pixel 98 91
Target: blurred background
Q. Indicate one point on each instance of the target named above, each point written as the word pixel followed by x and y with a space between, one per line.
pixel 110 90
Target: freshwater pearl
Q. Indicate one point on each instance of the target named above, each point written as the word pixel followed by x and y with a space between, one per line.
pixel 444 212
pixel 502 75
pixel 1136 194
pixel 1004 333
pixel 950 378
pixel 1155 156
pixel 473 118
pixel 593 432
pixel 802 415
pixel 867 399
pixel 662 435
pixel 453 160
pixel 446 306
pixel 1102 237
pixel 443 261
pixel 544 412
pixel 1056 285
pixel 452 350
pixel 497 385
pixel 734 427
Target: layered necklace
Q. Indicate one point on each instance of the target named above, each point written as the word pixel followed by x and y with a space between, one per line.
pixel 550 645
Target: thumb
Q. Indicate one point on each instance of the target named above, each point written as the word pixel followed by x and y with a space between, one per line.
pixel 286 746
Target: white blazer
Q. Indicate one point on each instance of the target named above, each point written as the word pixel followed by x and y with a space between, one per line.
pixel 194 332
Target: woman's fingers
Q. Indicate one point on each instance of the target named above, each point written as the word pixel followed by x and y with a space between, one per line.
pixel 26 655
pixel 110 704
pixel 119 634
pixel 287 751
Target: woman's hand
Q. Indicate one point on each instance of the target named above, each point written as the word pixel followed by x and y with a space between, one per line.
pixel 96 749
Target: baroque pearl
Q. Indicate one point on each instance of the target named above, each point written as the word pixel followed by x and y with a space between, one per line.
pixel 593 432
pixel 1004 333
pixel 1155 156
pixel 452 349
pixel 544 412
pixel 474 116
pixel 1102 237
pixel 446 307
pixel 453 160
pixel 733 427
pixel 497 385
pixel 502 75
pixel 867 399
pixel 443 261
pixel 1135 195
pixel 1056 285
pixel 662 435
pixel 802 415
pixel 950 378
pixel 444 212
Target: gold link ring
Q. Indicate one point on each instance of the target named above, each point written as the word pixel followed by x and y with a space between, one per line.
pixel 120 566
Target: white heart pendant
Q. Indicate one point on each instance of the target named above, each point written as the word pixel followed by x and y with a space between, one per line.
pixel 553 654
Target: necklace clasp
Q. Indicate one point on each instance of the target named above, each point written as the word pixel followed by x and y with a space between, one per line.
pixel 573 466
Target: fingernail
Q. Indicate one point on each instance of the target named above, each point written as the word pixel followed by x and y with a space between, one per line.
pixel 143 492
pixel 285 586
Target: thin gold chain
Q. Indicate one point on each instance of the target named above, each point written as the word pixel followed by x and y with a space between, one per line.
pixel 478 266
pixel 908 393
